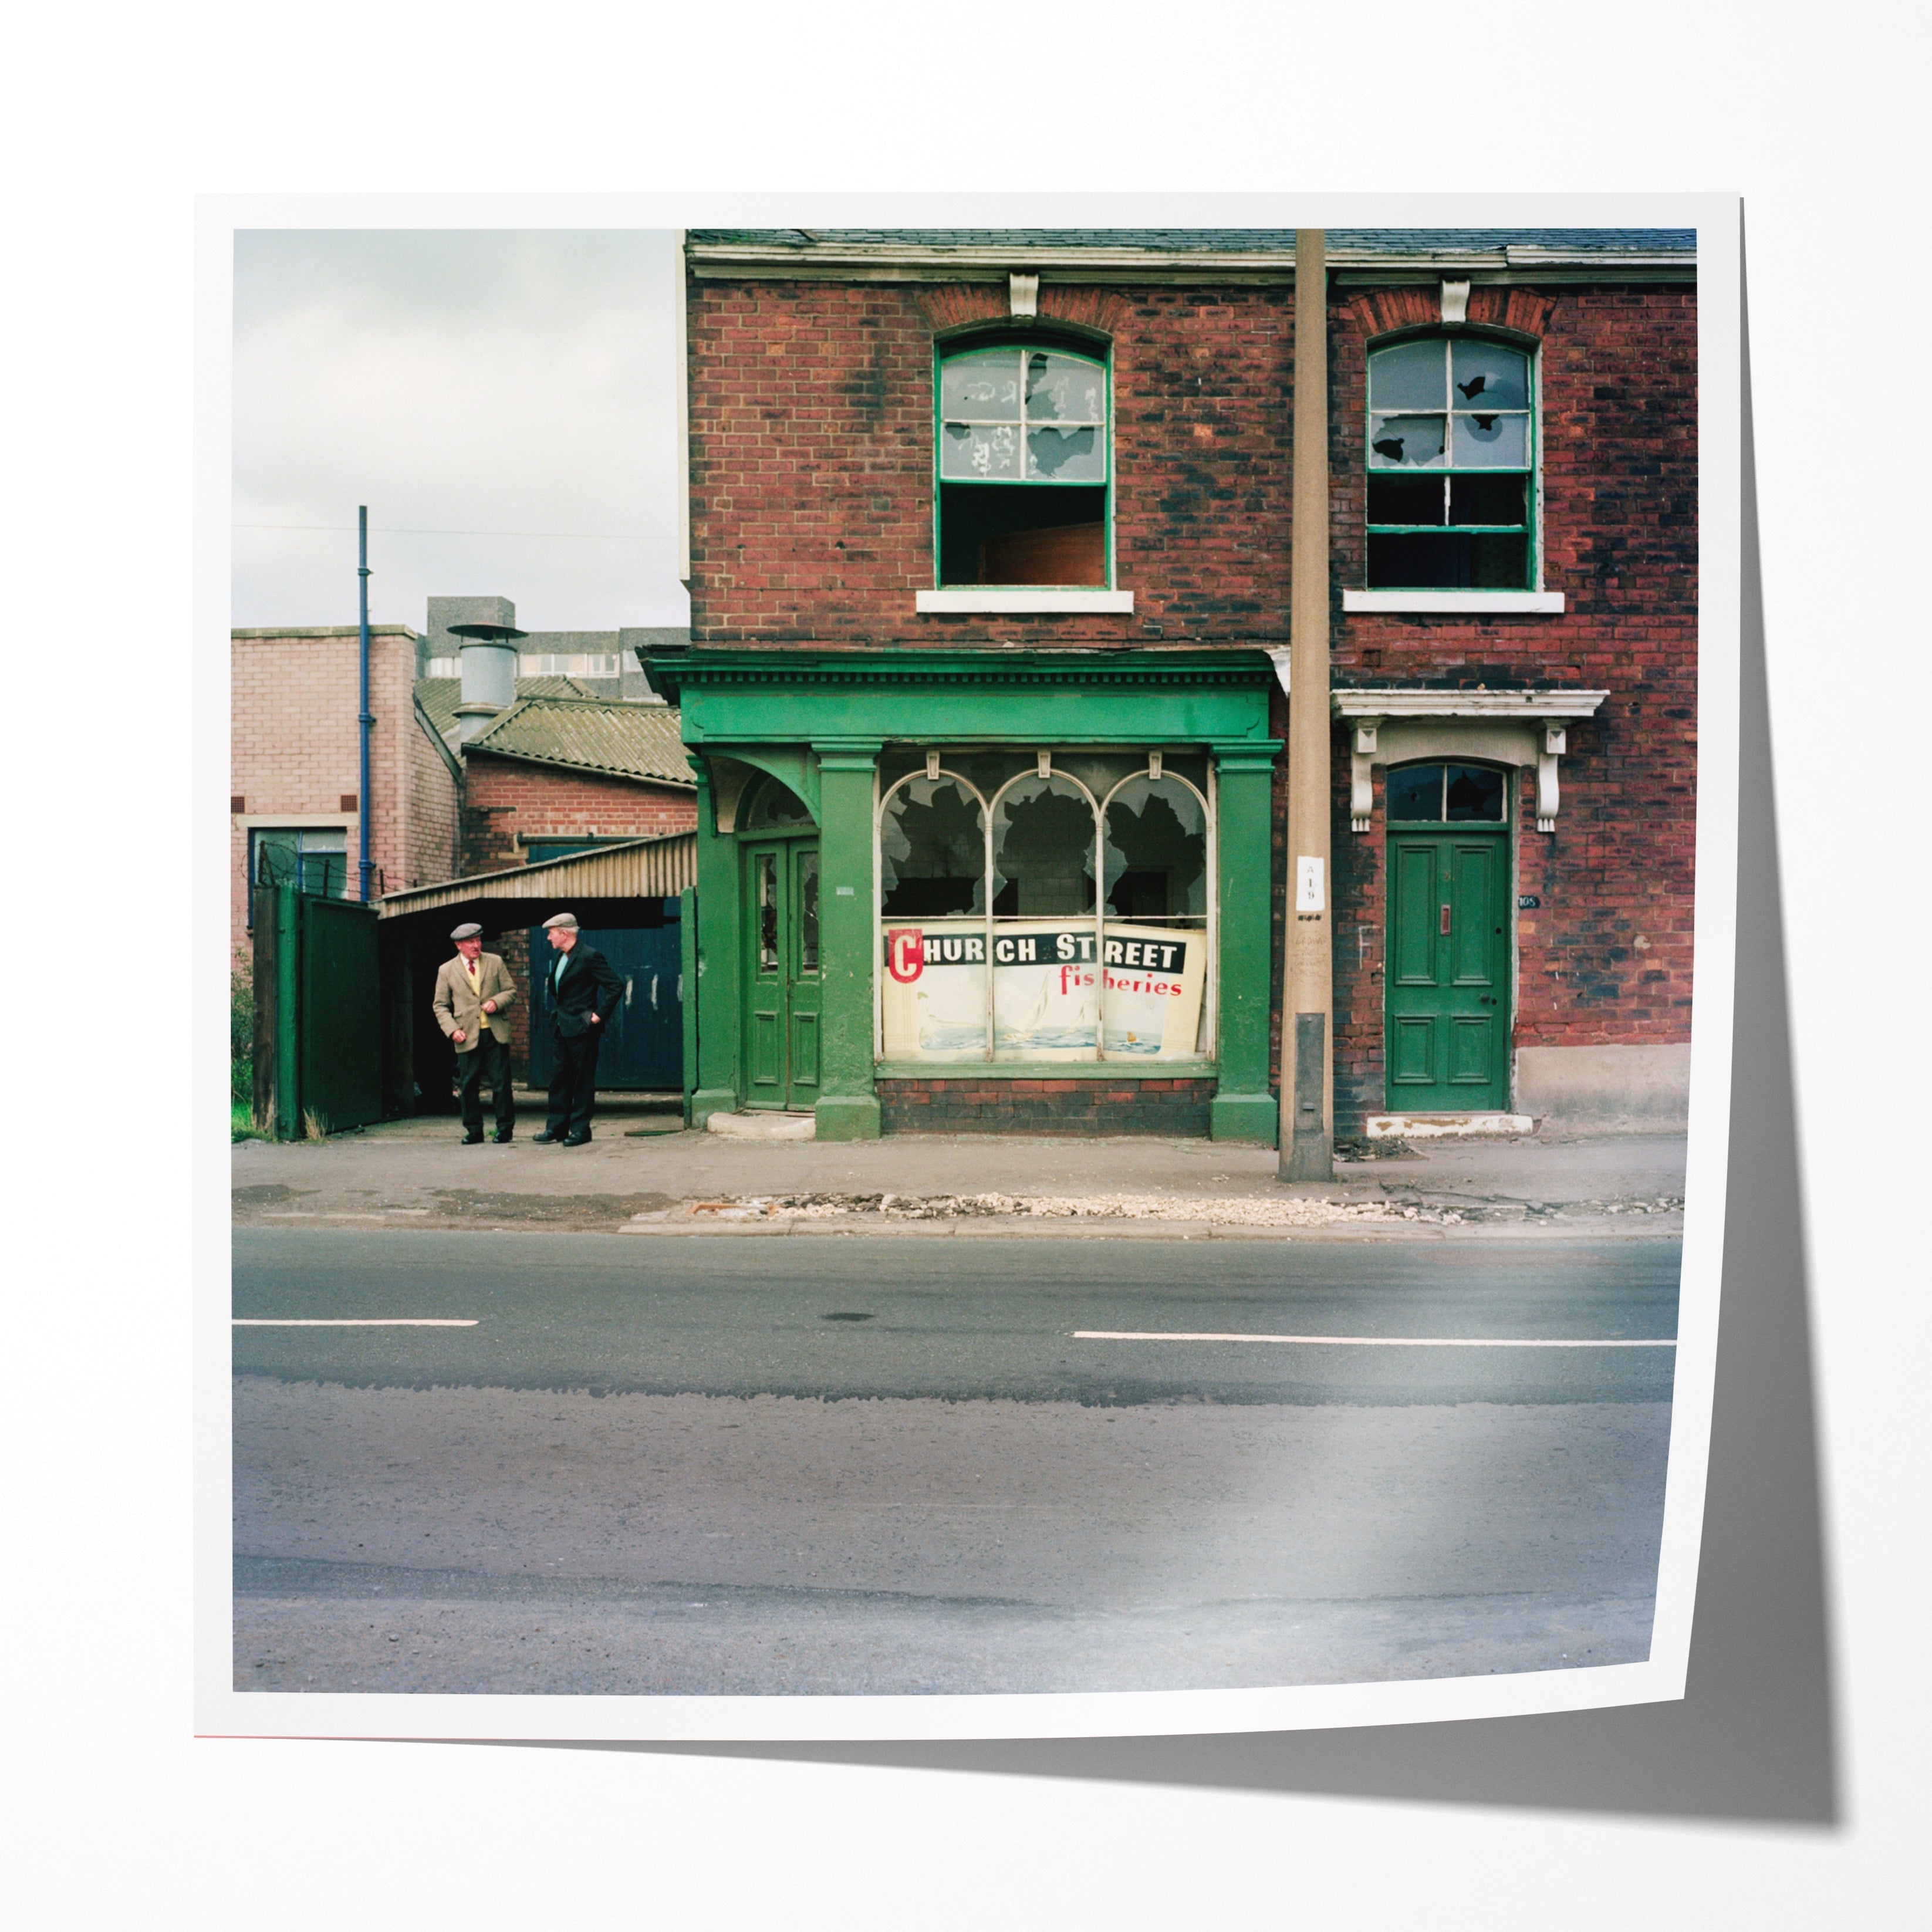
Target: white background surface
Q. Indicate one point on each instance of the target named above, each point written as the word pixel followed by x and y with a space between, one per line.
pixel 122 1818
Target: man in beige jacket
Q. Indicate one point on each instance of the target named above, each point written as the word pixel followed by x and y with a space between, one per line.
pixel 471 990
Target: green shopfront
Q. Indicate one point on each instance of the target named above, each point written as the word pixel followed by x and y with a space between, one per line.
pixel 980 888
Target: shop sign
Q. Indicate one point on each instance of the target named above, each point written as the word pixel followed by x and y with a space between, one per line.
pixel 1047 979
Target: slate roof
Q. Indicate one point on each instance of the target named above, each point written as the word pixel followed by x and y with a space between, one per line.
pixel 590 734
pixel 1344 245
pixel 439 696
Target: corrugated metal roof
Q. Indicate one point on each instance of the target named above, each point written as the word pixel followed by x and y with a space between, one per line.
pixel 638 868
pixel 1344 245
pixel 590 734
pixel 439 696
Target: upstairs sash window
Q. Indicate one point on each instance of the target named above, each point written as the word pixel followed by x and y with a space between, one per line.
pixel 1024 467
pixel 1451 460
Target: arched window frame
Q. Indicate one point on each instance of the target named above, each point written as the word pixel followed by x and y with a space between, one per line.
pixel 1096 351
pixel 1532 527
pixel 1153 769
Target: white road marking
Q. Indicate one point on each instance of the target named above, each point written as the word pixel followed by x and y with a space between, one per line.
pixel 1360 1341
pixel 355 1322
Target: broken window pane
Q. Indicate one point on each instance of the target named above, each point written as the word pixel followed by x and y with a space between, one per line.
pixel 1398 500
pixel 1070 455
pixel 1409 376
pixel 1420 562
pixel 932 851
pixel 1497 441
pixel 1415 792
pixel 808 910
pixel 1487 375
pixel 1157 852
pixel 1480 499
pixel 1407 442
pixel 969 451
pixel 1043 850
pixel 768 912
pixel 985 388
pixel 1498 562
pixel 1064 389
pixel 1474 795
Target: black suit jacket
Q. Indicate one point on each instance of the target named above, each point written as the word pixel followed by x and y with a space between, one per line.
pixel 589 985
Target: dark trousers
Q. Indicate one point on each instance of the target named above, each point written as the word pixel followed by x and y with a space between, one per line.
pixel 488 1064
pixel 573 1081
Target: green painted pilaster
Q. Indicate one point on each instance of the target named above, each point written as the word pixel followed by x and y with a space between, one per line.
pixel 714 990
pixel 1243 1109
pixel 848 1109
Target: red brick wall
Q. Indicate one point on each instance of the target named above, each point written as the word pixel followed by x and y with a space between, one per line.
pixel 811 462
pixel 506 801
pixel 1174 1108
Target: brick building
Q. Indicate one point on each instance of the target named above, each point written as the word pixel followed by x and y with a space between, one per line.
pixel 989 561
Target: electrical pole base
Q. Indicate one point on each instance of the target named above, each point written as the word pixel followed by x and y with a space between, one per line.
pixel 1309 1157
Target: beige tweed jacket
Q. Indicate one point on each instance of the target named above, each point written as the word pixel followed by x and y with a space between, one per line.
pixel 457 1005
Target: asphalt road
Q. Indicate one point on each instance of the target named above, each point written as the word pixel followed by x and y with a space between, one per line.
pixel 667 1467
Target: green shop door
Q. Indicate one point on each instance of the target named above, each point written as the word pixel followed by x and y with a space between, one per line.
pixel 1448 1014
pixel 782 979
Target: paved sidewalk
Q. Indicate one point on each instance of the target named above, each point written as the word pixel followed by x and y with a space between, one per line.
pixel 643 1175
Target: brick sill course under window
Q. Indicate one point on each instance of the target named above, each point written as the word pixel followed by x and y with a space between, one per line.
pixel 1018 602
pixel 1447 602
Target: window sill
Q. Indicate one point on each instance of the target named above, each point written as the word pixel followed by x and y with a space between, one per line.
pixel 1454 603
pixel 1019 601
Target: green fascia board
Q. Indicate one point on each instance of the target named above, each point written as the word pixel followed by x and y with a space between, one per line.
pixel 1151 697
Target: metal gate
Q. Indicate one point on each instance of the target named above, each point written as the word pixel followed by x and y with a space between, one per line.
pixel 318 1012
pixel 643 1040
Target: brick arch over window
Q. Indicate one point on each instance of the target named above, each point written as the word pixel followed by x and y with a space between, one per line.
pixel 952 305
pixel 1383 311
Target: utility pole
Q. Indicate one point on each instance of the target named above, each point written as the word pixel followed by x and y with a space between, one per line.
pixel 1306 1140
pixel 364 719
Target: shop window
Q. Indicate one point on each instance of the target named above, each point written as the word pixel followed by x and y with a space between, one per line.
pixel 1451 466
pixel 1024 465
pixel 996 941
pixel 1445 794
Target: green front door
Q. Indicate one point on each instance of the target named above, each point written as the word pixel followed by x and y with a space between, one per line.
pixel 782 976
pixel 1448 1013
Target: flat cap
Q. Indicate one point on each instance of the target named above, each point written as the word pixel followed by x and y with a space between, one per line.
pixel 472 931
pixel 567 920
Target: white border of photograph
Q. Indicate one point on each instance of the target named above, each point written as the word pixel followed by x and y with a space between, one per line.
pixel 219 1710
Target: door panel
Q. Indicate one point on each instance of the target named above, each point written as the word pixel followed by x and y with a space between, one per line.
pixel 1447 1026
pixel 781 1007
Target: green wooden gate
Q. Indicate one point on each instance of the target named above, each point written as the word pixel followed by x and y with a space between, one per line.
pixel 318 1012
pixel 1447 1039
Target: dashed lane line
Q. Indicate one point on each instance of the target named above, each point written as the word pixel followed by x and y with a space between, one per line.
pixel 352 1321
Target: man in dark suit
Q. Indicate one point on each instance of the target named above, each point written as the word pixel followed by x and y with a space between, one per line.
pixel 584 991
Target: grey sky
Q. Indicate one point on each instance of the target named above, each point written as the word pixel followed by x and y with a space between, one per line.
pixel 518 385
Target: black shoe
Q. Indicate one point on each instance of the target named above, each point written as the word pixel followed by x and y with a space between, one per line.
pixel 577 1140
pixel 473 1139
pixel 505 1136
pixel 546 1135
